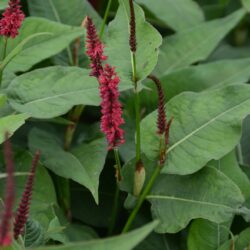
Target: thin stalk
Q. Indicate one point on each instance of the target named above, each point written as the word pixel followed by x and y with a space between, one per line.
pixel 63 184
pixel 70 131
pixel 142 198
pixel 115 208
pixel 4 55
pixel 105 18
pixel 137 108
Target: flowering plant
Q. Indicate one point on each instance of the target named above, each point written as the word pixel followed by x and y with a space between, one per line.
pixel 123 125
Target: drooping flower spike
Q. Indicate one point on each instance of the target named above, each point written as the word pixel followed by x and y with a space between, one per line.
pixel 94 48
pixel 110 107
pixel 12 19
pixel 6 216
pixel 24 206
pixel 111 110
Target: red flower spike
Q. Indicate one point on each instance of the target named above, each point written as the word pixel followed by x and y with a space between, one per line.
pixel 111 107
pixel 161 120
pixel 5 225
pixel 132 38
pixel 94 48
pixel 12 19
pixel 23 209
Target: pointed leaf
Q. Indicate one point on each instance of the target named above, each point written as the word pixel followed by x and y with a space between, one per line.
pixel 10 124
pixel 52 91
pixel 195 44
pixel 122 242
pixel 66 164
pixel 197 134
pixel 118 51
pixel 208 194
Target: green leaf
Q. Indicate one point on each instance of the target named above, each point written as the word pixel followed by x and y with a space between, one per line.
pixel 201 77
pixel 43 191
pixel 41 47
pixel 52 91
pixel 59 11
pixel 170 11
pixel 245 142
pixel 241 242
pixel 195 79
pixel 246 4
pixel 10 124
pixel 123 242
pixel 34 233
pixel 195 44
pixel 208 194
pixel 118 51
pixel 84 170
pixel 197 134
pixel 230 167
pixel 205 235
pixel 3 4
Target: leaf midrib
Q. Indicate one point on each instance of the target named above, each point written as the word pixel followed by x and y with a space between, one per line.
pixel 58 96
pixel 204 125
pixel 203 203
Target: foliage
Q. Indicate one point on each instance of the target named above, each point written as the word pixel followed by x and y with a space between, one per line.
pixel 194 182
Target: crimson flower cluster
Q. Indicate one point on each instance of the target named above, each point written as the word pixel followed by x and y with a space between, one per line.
pixel 108 83
pixel 6 217
pixel 12 19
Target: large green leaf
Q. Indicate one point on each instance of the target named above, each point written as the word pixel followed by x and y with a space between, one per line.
pixel 118 51
pixel 122 242
pixel 205 235
pixel 230 167
pixel 195 44
pixel 58 37
pixel 10 124
pixel 196 79
pixel 170 11
pixel 59 11
pixel 85 170
pixel 240 242
pixel 43 191
pixel 200 124
pixel 208 194
pixel 201 77
pixel 50 92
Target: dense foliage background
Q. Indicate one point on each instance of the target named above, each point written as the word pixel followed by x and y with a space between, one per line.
pixel 200 51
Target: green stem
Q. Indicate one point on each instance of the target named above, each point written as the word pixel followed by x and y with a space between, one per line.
pixel 63 193
pixel 4 55
pixel 70 131
pixel 115 209
pixel 63 184
pixel 137 108
pixel 105 18
pixel 142 198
